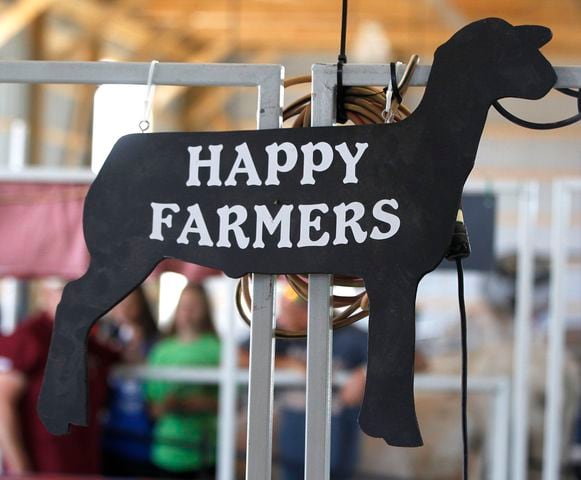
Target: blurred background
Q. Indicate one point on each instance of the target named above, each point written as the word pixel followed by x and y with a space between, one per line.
pixel 151 427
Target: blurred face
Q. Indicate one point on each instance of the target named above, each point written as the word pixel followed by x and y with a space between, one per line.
pixel 292 313
pixel 50 296
pixel 190 311
pixel 128 311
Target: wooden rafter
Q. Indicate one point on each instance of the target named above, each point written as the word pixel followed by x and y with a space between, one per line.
pixel 19 15
pixel 79 46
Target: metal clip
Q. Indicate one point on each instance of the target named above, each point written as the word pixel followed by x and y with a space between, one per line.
pixel 393 96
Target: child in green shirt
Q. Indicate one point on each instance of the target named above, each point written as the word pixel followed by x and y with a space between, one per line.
pixel 185 432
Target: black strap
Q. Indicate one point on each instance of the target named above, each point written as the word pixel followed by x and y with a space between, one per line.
pixel 394 87
pixel 341 60
pixel 544 126
pixel 462 307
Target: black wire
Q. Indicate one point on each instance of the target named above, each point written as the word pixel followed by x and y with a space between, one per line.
pixel 544 126
pixel 341 60
pixel 342 55
pixel 394 87
pixel 462 307
pixel 568 91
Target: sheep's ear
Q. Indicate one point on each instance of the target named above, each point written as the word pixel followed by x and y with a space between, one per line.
pixel 534 34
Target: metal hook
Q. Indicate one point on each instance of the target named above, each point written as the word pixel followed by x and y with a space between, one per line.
pixel 403 84
pixel 144 124
pixel 388 112
pixel 392 96
pixel 392 101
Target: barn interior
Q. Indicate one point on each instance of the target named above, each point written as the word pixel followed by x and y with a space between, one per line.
pixel 522 208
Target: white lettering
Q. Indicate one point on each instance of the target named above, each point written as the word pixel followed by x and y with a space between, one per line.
pixel 264 220
pixel 196 224
pixel 213 163
pixel 343 224
pixel 158 219
pixel 307 224
pixel 309 165
pixel 226 226
pixel 351 160
pixel 274 167
pixel 243 164
pixel 385 217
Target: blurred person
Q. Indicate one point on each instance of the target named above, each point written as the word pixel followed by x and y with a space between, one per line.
pixel 491 353
pixel 25 444
pixel 127 426
pixel 184 441
pixel 349 356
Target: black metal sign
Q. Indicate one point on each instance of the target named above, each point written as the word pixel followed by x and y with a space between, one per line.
pixel 375 201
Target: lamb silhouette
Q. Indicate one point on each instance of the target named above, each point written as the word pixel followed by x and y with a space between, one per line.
pixel 200 197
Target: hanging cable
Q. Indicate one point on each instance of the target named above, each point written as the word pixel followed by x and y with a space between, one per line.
pixel 463 335
pixel 460 248
pixel 341 60
pixel 544 126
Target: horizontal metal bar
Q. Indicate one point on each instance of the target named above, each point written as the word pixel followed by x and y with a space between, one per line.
pixel 203 74
pixel 47 175
pixel 568 183
pixel 287 378
pixel 506 187
pixel 568 76
pixel 86 175
pixel 29 71
pixel 379 74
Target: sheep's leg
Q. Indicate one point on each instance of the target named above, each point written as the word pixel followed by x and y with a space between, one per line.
pixel 63 398
pixel 388 409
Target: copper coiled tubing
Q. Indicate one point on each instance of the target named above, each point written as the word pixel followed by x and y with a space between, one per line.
pixel 363 106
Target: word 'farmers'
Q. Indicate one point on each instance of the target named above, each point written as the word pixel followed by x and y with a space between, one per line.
pixel 238 223
pixel 244 163
pixel 233 218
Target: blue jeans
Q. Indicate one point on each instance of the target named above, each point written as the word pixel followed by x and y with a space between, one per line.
pixel 344 444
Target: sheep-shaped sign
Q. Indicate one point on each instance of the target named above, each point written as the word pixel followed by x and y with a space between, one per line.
pixel 376 201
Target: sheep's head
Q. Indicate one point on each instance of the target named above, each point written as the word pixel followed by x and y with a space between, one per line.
pixel 500 60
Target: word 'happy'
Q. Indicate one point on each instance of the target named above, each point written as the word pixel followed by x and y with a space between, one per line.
pixel 234 220
pixel 244 163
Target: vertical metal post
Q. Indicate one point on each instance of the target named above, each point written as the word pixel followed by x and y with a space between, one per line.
pixel 527 213
pixel 17 142
pixel 10 292
pixel 260 384
pixel 227 406
pixel 320 339
pixel 561 213
pixel 11 289
pixel 319 358
pixel 500 431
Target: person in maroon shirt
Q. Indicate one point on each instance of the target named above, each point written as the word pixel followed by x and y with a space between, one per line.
pixel 25 444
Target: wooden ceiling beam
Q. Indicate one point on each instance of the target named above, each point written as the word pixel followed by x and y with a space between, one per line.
pixel 213 53
pixel 119 24
pixel 19 15
pixel 209 102
pixel 402 38
pixel 80 45
pixel 306 8
pixel 107 21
